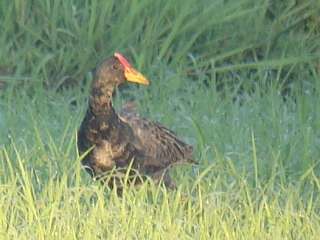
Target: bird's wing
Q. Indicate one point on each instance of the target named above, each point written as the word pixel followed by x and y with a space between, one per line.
pixel 159 145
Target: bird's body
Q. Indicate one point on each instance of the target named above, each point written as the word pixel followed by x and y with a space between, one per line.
pixel 117 141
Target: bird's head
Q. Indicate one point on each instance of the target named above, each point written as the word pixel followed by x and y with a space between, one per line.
pixel 117 69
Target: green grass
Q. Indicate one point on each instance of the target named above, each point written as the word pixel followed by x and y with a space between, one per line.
pixel 238 80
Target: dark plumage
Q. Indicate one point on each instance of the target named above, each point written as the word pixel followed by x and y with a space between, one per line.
pixel 116 141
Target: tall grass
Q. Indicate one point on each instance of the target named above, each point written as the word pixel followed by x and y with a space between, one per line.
pixel 220 74
pixel 257 178
pixel 55 42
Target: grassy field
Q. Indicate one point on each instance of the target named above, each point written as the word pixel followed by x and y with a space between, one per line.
pixel 237 79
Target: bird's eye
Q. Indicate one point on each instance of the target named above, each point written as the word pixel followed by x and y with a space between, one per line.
pixel 115 66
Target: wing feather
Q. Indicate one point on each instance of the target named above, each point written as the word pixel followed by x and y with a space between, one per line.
pixel 160 146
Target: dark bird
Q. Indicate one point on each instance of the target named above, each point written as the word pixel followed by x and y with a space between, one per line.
pixel 113 143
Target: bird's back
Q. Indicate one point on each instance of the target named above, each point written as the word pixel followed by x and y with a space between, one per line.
pixel 160 146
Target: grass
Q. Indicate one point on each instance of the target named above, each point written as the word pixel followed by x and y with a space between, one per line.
pixel 239 80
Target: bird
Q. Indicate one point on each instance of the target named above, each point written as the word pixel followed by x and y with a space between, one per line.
pixel 115 145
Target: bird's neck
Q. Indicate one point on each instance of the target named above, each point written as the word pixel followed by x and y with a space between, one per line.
pixel 100 101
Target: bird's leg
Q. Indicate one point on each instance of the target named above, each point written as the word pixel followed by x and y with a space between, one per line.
pixel 165 178
pixel 168 182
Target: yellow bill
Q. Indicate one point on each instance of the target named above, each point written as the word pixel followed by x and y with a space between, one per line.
pixel 133 75
pixel 130 73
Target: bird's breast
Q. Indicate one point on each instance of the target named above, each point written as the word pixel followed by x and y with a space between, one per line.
pixel 102 156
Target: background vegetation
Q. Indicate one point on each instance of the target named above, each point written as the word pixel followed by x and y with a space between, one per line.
pixel 238 79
